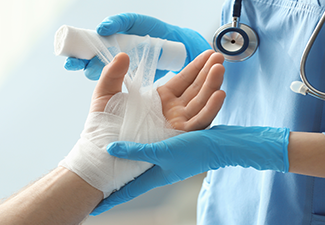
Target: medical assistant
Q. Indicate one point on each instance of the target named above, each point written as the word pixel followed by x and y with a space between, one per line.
pixel 258 94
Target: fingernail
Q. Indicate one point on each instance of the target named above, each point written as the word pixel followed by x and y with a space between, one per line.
pixel 114 58
pixel 100 209
pixel 74 64
pixel 94 213
pixel 110 148
pixel 116 149
pixel 104 28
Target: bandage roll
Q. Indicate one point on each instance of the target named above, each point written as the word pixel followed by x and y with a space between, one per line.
pixel 73 42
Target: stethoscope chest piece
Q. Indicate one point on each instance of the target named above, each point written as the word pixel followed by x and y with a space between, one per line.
pixel 235 43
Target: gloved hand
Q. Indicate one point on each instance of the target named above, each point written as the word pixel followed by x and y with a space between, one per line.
pixel 192 153
pixel 131 23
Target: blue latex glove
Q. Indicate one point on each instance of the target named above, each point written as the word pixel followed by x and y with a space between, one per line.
pixel 192 153
pixel 131 23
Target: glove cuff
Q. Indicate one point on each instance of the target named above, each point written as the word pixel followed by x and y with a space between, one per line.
pixel 263 148
pixel 285 150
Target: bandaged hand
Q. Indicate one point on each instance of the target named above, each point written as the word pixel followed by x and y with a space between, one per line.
pixel 131 23
pixel 190 89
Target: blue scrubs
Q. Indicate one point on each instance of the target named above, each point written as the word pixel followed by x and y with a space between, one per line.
pixel 258 93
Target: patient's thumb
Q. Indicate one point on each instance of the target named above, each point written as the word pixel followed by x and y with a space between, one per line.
pixel 112 76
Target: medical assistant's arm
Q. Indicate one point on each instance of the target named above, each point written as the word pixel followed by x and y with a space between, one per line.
pixel 306 153
pixel 68 199
pixel 262 148
pixel 61 197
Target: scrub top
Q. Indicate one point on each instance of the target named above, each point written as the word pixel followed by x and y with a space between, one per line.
pixel 258 94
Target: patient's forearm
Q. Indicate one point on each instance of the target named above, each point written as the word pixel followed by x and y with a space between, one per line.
pixel 61 197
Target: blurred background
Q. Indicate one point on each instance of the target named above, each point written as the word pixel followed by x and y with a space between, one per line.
pixel 43 107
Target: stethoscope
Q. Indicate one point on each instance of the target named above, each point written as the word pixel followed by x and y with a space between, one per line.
pixel 238 42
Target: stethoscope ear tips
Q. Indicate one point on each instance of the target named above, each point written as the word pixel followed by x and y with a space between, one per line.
pixel 235 43
pixel 299 87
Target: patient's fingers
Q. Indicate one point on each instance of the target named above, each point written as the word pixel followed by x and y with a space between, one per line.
pixel 212 83
pixel 192 98
pixel 179 83
pixel 208 113
pixel 195 87
pixel 110 82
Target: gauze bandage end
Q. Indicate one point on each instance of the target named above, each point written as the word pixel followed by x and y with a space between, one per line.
pixel 134 116
pixel 70 41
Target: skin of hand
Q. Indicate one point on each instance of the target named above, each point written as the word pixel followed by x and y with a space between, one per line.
pixel 62 197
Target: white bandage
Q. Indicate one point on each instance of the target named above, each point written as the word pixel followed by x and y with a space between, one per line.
pixel 134 116
pixel 70 41
pixel 89 158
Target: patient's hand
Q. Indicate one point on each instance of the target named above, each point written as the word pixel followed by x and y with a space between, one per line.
pixel 190 100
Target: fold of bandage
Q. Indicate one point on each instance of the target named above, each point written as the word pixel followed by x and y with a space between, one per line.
pixel 133 116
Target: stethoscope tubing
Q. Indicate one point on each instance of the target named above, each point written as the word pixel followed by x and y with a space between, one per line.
pixel 311 90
